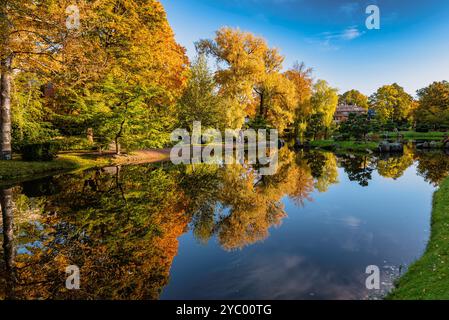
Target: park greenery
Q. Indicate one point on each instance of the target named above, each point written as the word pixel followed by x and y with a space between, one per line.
pixel 354 97
pixel 122 224
pixel 427 278
pixel 121 81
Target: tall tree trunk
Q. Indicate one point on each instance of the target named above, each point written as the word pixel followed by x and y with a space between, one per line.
pixel 118 136
pixel 8 239
pixel 5 109
pixel 266 113
pixel 117 145
pixel 261 106
pixel 90 135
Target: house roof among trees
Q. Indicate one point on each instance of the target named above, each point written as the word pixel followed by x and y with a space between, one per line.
pixel 344 108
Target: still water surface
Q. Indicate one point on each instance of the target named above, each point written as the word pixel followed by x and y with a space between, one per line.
pixel 205 232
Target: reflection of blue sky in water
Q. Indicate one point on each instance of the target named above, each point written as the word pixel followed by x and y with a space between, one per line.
pixel 319 251
pixel 178 230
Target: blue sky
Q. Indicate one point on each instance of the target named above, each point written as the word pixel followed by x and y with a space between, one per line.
pixel 411 47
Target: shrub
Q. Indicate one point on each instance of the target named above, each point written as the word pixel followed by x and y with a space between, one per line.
pixel 422 128
pixel 389 126
pixel 258 123
pixel 342 137
pixel 73 143
pixel 357 126
pixel 45 151
pixel 404 127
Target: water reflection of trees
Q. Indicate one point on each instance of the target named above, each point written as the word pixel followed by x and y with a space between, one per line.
pixel 394 165
pixel 238 206
pixel 121 225
pixel 358 167
pixel 121 232
pixel 433 166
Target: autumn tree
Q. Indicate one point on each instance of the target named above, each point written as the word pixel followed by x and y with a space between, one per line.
pixel 392 103
pixel 277 100
pixel 354 97
pixel 324 101
pixel 433 107
pixel 276 93
pixel 149 62
pixel 240 58
pixel 250 78
pixel 301 77
pixel 37 39
pixel 32 37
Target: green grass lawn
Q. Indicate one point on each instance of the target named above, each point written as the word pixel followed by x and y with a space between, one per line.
pixel 344 145
pixel 428 278
pixel 410 135
pixel 17 169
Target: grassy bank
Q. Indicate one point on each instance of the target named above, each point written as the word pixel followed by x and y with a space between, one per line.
pixel 17 169
pixel 344 145
pixel 428 278
pixel 412 135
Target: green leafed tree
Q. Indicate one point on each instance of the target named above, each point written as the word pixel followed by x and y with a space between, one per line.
pixel 324 100
pixel 392 103
pixel 433 106
pixel 354 97
pixel 356 126
pixel 201 101
pixel 33 35
pixel 31 117
pixel 128 116
pixel 315 126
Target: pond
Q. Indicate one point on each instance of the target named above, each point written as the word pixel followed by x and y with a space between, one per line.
pixel 159 231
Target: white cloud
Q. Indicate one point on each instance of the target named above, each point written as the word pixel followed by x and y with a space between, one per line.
pixel 332 40
pixel 347 34
pixel 351 33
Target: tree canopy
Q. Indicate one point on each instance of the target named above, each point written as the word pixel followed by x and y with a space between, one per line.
pixel 392 103
pixel 354 97
pixel 433 104
pixel 324 100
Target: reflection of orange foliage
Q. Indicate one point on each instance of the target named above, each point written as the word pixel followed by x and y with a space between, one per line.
pixel 128 257
pixel 292 179
pixel 166 246
pixel 251 213
pixel 253 209
pixel 302 187
pixel 433 166
pixel 138 269
pixel 394 166
pixel 122 227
